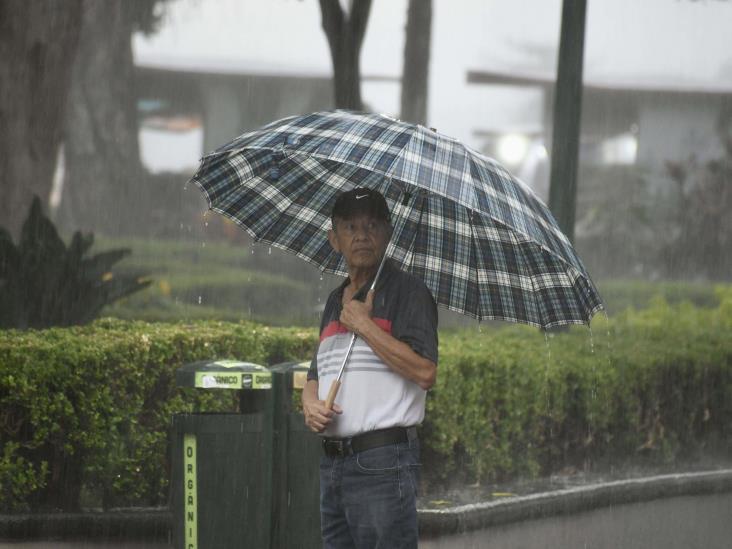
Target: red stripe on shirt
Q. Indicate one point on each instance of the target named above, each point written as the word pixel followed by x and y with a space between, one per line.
pixel 335 327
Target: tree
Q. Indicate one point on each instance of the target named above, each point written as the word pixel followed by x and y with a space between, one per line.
pixel 567 111
pixel 700 244
pixel 416 62
pixel 37 40
pixel 345 33
pixel 104 174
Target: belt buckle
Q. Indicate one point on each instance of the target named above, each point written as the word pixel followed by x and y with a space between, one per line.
pixel 334 447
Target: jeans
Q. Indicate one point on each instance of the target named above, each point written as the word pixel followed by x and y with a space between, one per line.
pixel 369 500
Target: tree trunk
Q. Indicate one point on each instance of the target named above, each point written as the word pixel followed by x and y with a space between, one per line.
pixel 567 112
pixel 104 174
pixel 416 62
pixel 38 41
pixel 345 33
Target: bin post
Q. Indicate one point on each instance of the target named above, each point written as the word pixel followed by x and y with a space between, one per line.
pixel 296 464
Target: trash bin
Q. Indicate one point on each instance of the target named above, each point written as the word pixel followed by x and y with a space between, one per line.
pixel 221 478
pixel 296 482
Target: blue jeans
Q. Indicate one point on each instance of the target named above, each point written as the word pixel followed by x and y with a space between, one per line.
pixel 369 500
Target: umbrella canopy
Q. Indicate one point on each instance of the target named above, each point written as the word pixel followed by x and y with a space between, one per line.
pixel 482 241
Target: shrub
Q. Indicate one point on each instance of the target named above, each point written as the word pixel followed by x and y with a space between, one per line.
pixel 649 387
pixel 43 283
pixel 85 410
pixel 90 406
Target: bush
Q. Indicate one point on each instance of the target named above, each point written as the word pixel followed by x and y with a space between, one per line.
pixel 43 283
pixel 221 281
pixel 89 407
pixel 85 410
pixel 650 387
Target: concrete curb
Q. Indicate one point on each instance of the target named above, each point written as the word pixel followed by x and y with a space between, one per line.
pixel 465 518
pixel 143 524
pixel 155 524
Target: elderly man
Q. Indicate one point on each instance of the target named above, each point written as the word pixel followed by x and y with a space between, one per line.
pixel 369 472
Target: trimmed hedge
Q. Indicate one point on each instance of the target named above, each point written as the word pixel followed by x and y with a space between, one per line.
pixel 88 408
pixel 84 411
pixel 650 387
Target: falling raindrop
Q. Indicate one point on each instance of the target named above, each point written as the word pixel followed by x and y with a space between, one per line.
pixel 592 341
pixel 269 250
pixel 200 299
pixel 250 312
pixel 203 244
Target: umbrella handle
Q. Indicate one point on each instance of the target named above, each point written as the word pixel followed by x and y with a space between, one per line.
pixel 332 393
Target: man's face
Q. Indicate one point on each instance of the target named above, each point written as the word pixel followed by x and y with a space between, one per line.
pixel 361 239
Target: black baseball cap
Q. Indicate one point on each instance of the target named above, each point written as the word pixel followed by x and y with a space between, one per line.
pixel 361 201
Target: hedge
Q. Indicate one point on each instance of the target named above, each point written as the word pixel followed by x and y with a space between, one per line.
pixel 84 412
pixel 650 387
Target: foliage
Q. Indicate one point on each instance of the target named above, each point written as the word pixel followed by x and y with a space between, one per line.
pixel 89 407
pixel 699 246
pixel 649 387
pixel 43 283
pixel 253 283
pixel 220 281
pixel 85 410
pixel 621 294
pixel 616 228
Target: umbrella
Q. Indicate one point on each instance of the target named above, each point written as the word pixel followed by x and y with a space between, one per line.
pixel 482 241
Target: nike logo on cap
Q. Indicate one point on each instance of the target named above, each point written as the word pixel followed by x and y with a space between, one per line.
pixel 362 196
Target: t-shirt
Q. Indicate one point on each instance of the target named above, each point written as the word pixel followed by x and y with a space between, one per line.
pixel 371 394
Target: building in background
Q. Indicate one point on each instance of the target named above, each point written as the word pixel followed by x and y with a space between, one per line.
pixel 643 122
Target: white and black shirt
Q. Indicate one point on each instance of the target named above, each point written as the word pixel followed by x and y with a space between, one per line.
pixel 372 395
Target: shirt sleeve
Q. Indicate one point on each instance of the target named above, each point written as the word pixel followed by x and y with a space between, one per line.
pixel 416 320
pixel 327 313
pixel 313 371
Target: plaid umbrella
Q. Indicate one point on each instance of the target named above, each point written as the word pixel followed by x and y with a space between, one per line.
pixel 482 241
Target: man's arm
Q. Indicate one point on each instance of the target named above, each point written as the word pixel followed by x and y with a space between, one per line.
pixel 399 356
pixel 317 415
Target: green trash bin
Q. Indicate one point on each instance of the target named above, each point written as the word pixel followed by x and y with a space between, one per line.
pixel 297 451
pixel 221 478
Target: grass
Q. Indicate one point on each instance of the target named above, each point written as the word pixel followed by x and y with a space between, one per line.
pixel 218 280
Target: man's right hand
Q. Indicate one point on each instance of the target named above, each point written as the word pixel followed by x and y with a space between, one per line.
pixel 317 415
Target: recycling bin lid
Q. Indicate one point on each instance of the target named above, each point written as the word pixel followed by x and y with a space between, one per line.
pixel 299 372
pixel 224 374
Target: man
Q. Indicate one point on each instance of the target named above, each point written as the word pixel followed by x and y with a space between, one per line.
pixel 369 472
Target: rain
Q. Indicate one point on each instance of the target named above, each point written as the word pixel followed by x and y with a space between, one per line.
pixel 153 352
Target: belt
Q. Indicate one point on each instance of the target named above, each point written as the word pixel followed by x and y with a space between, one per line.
pixel 340 447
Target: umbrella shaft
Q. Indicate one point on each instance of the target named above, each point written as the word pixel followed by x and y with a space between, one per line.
pixel 353 337
pixel 345 358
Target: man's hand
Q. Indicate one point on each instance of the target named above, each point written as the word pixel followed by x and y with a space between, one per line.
pixel 355 313
pixel 317 415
